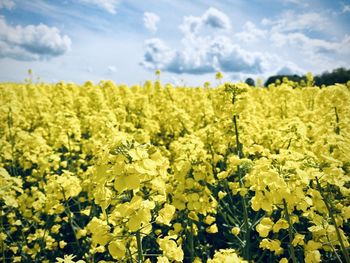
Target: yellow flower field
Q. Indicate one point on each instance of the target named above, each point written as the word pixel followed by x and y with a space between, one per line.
pixel 153 173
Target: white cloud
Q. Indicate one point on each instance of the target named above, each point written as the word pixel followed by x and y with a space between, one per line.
pixel 158 55
pixel 292 22
pixel 302 3
pixel 191 25
pixel 311 45
pixel 211 19
pixel 108 5
pixel 112 69
pixel 203 55
pixel 206 48
pixel 346 9
pixel 150 21
pixel 292 31
pixel 31 42
pixel 7 4
pixel 216 19
pixel 251 33
pixel 293 1
pixel 204 51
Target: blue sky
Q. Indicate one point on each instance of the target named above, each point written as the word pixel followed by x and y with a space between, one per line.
pixel 127 40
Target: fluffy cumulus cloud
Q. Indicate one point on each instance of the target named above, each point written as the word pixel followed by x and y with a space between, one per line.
pixel 31 42
pixel 7 4
pixel 292 22
pixel 150 21
pixel 209 44
pixel 310 45
pixel 211 19
pixel 108 5
pixel 216 19
pixel 291 31
pixel 205 56
pixel 205 48
pixel 346 9
pixel 158 55
pixel 251 33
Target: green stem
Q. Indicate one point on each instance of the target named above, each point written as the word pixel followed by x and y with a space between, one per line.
pixel 247 228
pixel 333 248
pixel 238 144
pixel 331 215
pixel 191 242
pixel 70 219
pixel 261 257
pixel 290 232
pixel 139 247
pixel 3 242
pixel 245 209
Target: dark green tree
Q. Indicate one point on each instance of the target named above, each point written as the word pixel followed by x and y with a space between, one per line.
pixel 250 82
pixel 339 75
pixel 275 78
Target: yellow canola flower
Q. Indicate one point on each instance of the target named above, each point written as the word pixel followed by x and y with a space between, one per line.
pixel 68 259
pixel 212 229
pixel 102 196
pixel 62 244
pixel 141 218
pixel 261 201
pixel 209 219
pixel 162 259
pixel 55 229
pixel 193 215
pixel 235 231
pixel 170 248
pixel 346 212
pixel 127 182
pixel 10 186
pixel 311 252
pixel 100 231
pixel 81 233
pixel 71 185
pixel 312 245
pixel 280 224
pixel 222 175
pixel 273 245
pixel 117 249
pixel 298 240
pixel 146 166
pixel 177 228
pixel 166 214
pixel 226 256
pixel 313 256
pixel 222 194
pixel 264 227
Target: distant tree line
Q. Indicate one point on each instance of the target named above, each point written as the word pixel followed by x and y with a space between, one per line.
pixel 339 75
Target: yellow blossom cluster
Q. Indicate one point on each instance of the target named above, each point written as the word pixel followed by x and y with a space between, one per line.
pixel 157 173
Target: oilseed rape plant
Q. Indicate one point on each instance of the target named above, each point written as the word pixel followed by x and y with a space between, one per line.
pixel 156 173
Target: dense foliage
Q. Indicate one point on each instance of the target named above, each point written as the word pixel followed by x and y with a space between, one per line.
pixel 106 173
pixel 339 75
